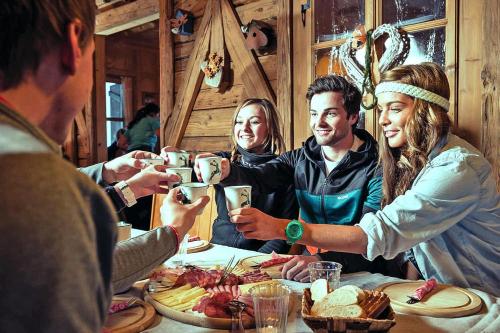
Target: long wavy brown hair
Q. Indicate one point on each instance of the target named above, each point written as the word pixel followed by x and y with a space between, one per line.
pixel 274 138
pixel 426 125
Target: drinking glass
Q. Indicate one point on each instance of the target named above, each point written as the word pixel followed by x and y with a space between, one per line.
pixel 270 303
pixel 328 270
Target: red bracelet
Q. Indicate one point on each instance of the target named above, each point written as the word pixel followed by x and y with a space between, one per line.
pixel 176 236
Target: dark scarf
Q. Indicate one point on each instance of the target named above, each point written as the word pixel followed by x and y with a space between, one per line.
pixel 247 158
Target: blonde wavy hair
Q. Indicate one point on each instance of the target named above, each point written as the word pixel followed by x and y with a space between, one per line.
pixel 274 139
pixel 426 125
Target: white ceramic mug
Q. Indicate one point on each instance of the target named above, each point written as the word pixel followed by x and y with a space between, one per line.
pixel 193 191
pixel 178 159
pixel 238 196
pixel 183 173
pixel 210 169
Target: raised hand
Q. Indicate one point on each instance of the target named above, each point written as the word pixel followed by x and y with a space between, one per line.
pixel 180 216
pixel 255 224
pixel 225 165
pixel 126 166
pixel 148 181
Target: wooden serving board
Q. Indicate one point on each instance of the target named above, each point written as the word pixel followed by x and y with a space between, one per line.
pixel 444 301
pixel 195 318
pixel 131 320
pixel 199 319
pixel 198 246
pixel 273 271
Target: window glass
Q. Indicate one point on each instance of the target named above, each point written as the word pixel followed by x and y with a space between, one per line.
pixel 427 45
pixel 111 128
pixel 335 19
pixel 405 12
pixel 327 61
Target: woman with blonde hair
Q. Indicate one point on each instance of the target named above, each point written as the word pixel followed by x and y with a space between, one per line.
pixel 440 201
pixel 256 139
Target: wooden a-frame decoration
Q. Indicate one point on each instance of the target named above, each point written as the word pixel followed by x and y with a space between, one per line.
pixel 252 74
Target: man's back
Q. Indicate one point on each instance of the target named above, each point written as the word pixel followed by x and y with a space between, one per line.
pixel 57 238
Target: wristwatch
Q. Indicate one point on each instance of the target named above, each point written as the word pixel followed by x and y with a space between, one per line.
pixel 128 194
pixel 294 231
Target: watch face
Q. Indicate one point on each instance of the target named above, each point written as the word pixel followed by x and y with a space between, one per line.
pixel 295 230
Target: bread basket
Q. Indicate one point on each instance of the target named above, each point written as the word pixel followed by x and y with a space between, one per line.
pixel 383 323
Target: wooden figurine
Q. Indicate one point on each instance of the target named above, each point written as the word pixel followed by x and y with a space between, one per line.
pixel 260 36
pixel 183 23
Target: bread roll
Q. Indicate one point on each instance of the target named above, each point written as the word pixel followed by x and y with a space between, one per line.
pixel 349 311
pixel 343 302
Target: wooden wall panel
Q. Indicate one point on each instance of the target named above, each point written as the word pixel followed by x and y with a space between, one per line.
pixel 268 63
pixel 207 144
pixel 247 9
pixel 490 98
pixel 213 122
pixel 210 98
pixel 209 126
pixel 131 60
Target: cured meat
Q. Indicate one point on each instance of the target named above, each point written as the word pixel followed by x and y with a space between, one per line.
pixel 275 261
pixel 205 279
pixel 254 276
pixel 217 304
pixel 423 290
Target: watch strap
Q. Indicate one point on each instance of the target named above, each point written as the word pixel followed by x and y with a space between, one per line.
pixel 294 231
pixel 127 193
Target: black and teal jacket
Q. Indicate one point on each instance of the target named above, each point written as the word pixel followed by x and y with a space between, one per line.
pixel 281 203
pixel 351 189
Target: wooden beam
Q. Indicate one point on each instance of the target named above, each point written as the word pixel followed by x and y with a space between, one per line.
pixel 99 109
pixel 469 88
pixel 302 72
pixel 252 74
pixel 90 123
pixel 490 73
pixel 284 103
pixel 177 122
pixel 83 136
pixel 167 73
pixel 127 16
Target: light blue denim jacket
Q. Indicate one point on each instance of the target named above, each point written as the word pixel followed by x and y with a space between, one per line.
pixel 450 217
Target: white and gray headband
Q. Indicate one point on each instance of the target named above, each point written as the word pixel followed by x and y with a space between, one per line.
pixel 413 91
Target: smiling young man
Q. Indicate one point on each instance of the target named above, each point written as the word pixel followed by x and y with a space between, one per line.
pixel 335 176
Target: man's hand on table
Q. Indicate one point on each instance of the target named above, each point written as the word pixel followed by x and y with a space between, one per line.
pixel 180 216
pixel 296 269
pixel 255 224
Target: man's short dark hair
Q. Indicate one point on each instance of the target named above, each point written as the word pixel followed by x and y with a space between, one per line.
pixel 334 83
pixel 30 29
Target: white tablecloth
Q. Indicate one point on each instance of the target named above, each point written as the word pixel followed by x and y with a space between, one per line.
pixel 486 321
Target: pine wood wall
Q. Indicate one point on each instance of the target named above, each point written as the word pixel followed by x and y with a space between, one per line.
pixel 209 126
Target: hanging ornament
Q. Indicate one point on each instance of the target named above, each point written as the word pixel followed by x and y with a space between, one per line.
pixel 394 55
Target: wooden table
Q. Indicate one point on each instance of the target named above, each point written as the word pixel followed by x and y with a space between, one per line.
pixel 487 320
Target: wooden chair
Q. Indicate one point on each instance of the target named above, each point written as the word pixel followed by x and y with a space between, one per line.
pixel 203 224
